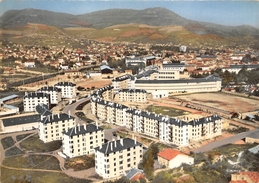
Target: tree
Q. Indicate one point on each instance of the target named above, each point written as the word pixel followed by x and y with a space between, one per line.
pixel 148 160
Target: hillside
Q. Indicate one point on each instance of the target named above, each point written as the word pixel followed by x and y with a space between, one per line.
pixel 155 25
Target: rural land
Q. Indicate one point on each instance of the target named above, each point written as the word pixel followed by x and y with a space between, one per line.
pixel 127 96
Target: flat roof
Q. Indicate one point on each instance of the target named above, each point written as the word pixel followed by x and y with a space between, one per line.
pixel 21 120
pixel 9 98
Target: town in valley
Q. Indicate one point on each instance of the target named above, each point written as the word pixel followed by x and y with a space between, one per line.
pixel 127 105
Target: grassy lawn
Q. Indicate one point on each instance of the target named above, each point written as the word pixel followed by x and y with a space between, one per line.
pixel 20 137
pixel 7 142
pixel 166 111
pixel 33 162
pixel 80 163
pixel 33 143
pixel 10 176
pixel 123 133
pixel 13 151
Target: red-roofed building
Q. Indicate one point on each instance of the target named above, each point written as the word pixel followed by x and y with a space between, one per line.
pixel 173 158
pixel 245 177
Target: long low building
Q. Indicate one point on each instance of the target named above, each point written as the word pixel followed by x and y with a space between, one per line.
pixel 208 84
pixel 21 123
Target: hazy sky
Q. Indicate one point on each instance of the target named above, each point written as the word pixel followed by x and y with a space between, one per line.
pixel 221 12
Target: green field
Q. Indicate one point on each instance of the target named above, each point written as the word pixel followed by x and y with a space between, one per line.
pixel 11 176
pixel 166 111
pixel 33 143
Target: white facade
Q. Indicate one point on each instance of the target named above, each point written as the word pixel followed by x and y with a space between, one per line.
pixel 54 92
pixel 81 140
pixel 52 126
pixel 159 94
pixel 68 89
pixel 123 82
pixel 31 100
pixel 29 64
pixel 166 129
pixel 114 158
pixel 167 74
pixel 133 95
pixel 179 160
pixel 209 84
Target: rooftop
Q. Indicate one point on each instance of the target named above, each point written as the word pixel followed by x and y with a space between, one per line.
pixel 117 145
pixel 169 154
pixel 78 130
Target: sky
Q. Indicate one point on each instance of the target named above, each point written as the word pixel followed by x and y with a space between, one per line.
pixel 225 12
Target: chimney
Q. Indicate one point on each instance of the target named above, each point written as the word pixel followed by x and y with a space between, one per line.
pixel 85 126
pixel 49 117
pixel 111 146
pixel 121 141
pixel 41 117
pixel 69 113
pixel 115 144
pixel 75 129
pixel 135 140
pixel 96 123
pixel 58 116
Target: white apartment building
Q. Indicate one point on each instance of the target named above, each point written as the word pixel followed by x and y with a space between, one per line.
pixel 114 158
pixel 81 140
pixel 164 74
pixel 52 126
pixel 133 95
pixel 54 92
pixel 31 100
pixel 137 61
pixel 167 129
pixel 68 89
pixel 123 82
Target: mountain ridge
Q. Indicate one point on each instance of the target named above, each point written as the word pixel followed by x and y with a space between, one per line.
pixel 157 16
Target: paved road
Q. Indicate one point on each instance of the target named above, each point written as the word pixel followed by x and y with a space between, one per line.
pixel 225 141
pixel 108 134
pixel 72 109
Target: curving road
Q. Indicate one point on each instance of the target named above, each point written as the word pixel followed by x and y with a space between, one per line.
pixel 72 109
pixel 225 141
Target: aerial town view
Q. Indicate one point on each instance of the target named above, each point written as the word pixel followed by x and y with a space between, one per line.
pixel 129 91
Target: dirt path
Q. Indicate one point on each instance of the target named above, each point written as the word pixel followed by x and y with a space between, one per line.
pixel 84 174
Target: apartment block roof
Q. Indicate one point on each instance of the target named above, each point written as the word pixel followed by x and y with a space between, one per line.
pixel 56 117
pixel 146 73
pixel 133 90
pixel 118 145
pixel 65 83
pixel 49 88
pixel 36 95
pixel 122 78
pixel 83 129
pixel 43 110
pixel 204 120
